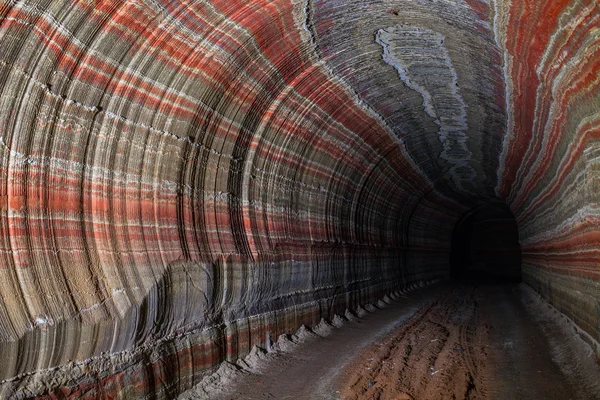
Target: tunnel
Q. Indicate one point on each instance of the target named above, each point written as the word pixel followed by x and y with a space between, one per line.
pixel 485 245
pixel 184 181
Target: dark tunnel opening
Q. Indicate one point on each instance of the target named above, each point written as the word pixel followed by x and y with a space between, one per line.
pixel 485 245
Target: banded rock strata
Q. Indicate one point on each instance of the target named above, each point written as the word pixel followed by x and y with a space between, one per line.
pixel 182 180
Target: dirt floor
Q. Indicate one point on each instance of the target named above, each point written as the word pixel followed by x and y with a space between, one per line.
pixel 459 341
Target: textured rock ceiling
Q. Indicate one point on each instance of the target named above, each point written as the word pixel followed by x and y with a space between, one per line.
pixel 181 180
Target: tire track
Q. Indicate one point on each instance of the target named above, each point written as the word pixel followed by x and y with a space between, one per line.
pixel 440 353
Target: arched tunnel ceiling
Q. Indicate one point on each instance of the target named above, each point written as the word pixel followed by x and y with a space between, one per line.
pixel 181 180
pixel 434 73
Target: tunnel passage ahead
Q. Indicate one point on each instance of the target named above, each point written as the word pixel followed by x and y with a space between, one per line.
pixel 485 245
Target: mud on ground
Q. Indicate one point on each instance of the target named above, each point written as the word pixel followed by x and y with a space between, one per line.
pixel 442 350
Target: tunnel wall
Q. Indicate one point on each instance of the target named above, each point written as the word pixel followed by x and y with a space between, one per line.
pixel 550 158
pixel 180 182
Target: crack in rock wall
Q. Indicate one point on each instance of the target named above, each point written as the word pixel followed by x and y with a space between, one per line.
pixel 183 180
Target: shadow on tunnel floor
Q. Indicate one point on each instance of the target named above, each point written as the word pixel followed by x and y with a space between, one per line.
pixel 475 277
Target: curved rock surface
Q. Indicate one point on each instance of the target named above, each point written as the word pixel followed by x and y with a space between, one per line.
pixel 183 180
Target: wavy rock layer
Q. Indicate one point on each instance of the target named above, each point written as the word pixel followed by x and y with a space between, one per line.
pixel 183 180
pixel 550 157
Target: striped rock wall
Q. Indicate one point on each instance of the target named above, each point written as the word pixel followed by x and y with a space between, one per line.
pixel 182 180
pixel 549 171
